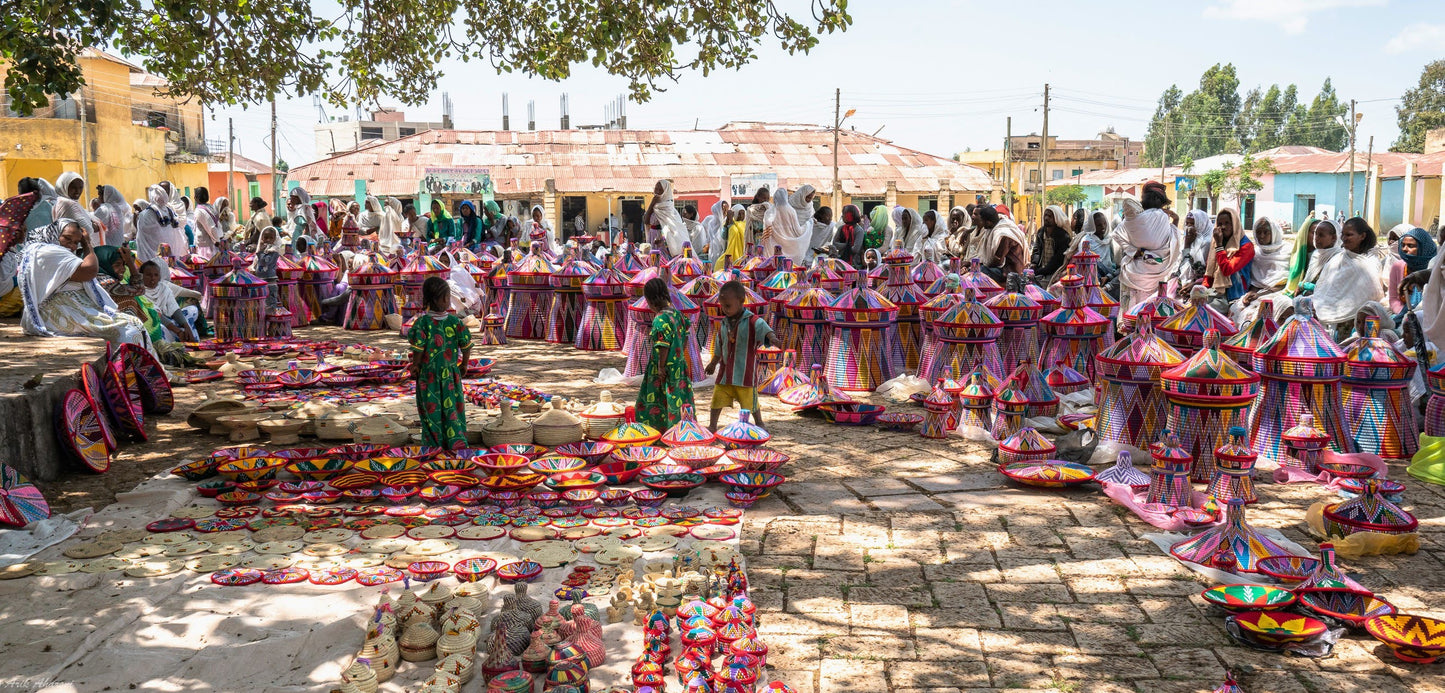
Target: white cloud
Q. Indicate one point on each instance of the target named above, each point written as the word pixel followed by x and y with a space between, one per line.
pixel 1415 37
pixel 1291 15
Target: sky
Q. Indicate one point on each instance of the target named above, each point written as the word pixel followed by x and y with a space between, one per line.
pixel 941 76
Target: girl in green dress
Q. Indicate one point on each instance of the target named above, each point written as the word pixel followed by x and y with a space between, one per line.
pixel 441 346
pixel 665 388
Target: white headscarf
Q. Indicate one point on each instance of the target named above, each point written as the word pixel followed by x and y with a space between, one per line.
pixel 802 206
pixel 46 268
pixel 1270 267
pixel 388 233
pixel 1198 251
pixel 712 231
pixel 1005 228
pixel 369 219
pixel 665 213
pixel 935 238
pixel 114 214
pixel 62 184
pixel 912 236
pixel 540 231
pixel 786 232
pixel 1346 281
pixel 1322 255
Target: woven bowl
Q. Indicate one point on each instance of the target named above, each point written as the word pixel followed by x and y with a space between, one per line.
pixel 250 469
pixel 1245 597
pixel 695 456
pixel 759 459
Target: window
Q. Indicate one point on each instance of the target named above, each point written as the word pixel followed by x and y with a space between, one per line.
pixel 371 133
pixel 406 132
pixel 1033 145
pixel 1057 174
pixel 1033 175
pixel 1247 211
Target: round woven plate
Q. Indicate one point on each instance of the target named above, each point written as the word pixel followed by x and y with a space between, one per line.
pixel 279 548
pixel 237 577
pixel 480 533
pixel 378 575
pixel 333 576
pixel 105 565
pixel 211 564
pixel 91 549
pixel 433 547
pixel 84 431
pixel 285 576
pixel 268 562
pixel 155 568
pixel 59 568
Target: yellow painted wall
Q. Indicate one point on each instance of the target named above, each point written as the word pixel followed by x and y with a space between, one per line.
pixel 127 156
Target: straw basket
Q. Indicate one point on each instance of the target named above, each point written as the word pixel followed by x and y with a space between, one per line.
pixel 603 416
pixel 557 426
pixel 379 431
pixel 506 429
pixel 418 643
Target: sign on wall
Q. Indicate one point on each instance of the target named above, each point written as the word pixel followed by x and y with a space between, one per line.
pixel 457 181
pixel 747 186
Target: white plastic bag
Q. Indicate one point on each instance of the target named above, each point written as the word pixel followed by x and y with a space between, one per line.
pixel 612 376
pixel 898 389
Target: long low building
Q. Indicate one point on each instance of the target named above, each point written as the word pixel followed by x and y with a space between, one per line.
pixel 597 172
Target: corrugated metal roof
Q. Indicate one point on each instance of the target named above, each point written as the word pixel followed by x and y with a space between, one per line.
pixel 632 161
pixel 220 164
pixel 1425 165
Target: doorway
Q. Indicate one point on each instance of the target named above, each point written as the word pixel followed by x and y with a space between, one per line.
pixel 1304 208
pixel 632 219
pixel 573 207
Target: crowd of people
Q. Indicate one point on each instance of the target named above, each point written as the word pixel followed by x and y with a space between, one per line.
pixel 72 259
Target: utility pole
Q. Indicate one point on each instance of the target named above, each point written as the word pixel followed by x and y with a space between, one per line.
pixel 84 149
pixel 1370 166
pixel 1008 162
pixel 837 123
pixel 231 165
pixel 275 184
pixel 1352 157
pixel 1044 159
pixel 1164 158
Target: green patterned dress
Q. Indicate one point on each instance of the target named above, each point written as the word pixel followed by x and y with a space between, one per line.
pixel 439 398
pixel 661 407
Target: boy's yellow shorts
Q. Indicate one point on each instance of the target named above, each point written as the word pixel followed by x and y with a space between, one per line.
pixel 723 396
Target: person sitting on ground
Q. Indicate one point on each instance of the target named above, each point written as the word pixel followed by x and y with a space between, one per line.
pixel 735 350
pixel 179 321
pixel 57 282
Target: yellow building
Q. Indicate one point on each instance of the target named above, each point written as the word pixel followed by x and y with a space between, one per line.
pixel 132 136
pixel 1066 159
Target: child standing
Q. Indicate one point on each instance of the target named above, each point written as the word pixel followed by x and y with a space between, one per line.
pixel 441 346
pixel 736 350
pixel 665 389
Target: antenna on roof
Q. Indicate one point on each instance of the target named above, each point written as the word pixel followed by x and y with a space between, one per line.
pixel 621 112
pixel 566 118
pixel 506 113
pixel 446 110
pixel 531 115
pixel 320 108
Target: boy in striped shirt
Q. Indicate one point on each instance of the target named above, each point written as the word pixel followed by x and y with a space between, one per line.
pixel 736 351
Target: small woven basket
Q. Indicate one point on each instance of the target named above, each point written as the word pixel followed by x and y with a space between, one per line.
pixel 602 417
pixel 557 426
pixel 506 429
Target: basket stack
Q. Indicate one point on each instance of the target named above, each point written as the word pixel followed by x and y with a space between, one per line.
pixel 239 303
pixel 602 417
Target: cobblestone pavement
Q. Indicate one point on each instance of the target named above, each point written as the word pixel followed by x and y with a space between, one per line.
pixel 889 562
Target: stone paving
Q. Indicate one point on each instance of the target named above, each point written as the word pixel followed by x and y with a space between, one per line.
pixel 895 563
pixel 889 562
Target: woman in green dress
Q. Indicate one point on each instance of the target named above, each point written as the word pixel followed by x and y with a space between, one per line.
pixel 441 346
pixel 665 387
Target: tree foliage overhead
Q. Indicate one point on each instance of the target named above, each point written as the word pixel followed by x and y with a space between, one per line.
pixel 1213 119
pixel 1236 180
pixel 1421 109
pixel 249 51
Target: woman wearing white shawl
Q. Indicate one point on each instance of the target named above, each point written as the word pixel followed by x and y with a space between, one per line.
pixel 1146 247
pixel 1196 250
pixel 388 233
pixel 156 224
pixel 536 229
pixel 1348 278
pixel 782 230
pixel 712 233
pixel 303 216
pixel 662 220
pixel 907 227
pixel 60 292
pixel 66 208
pixel 935 234
pixel 801 200
pixel 823 230
pixel 1003 247
pixel 209 233
pixel 696 236
pixel 1270 267
pixel 114 214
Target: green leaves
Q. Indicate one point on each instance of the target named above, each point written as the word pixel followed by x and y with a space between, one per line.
pixel 1421 109
pixel 249 51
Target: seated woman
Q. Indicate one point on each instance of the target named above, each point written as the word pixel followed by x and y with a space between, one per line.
pixel 58 273
pixel 1269 271
pixel 178 323
pixel 1347 271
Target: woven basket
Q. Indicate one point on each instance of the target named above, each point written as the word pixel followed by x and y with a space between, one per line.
pixel 378 430
pixel 557 426
pixel 602 417
pixel 383 655
pixel 506 429
pixel 418 643
pixel 337 426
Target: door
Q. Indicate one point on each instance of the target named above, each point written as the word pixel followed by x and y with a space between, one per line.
pixel 1247 211
pixel 573 207
pixel 632 219
pixel 1304 208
